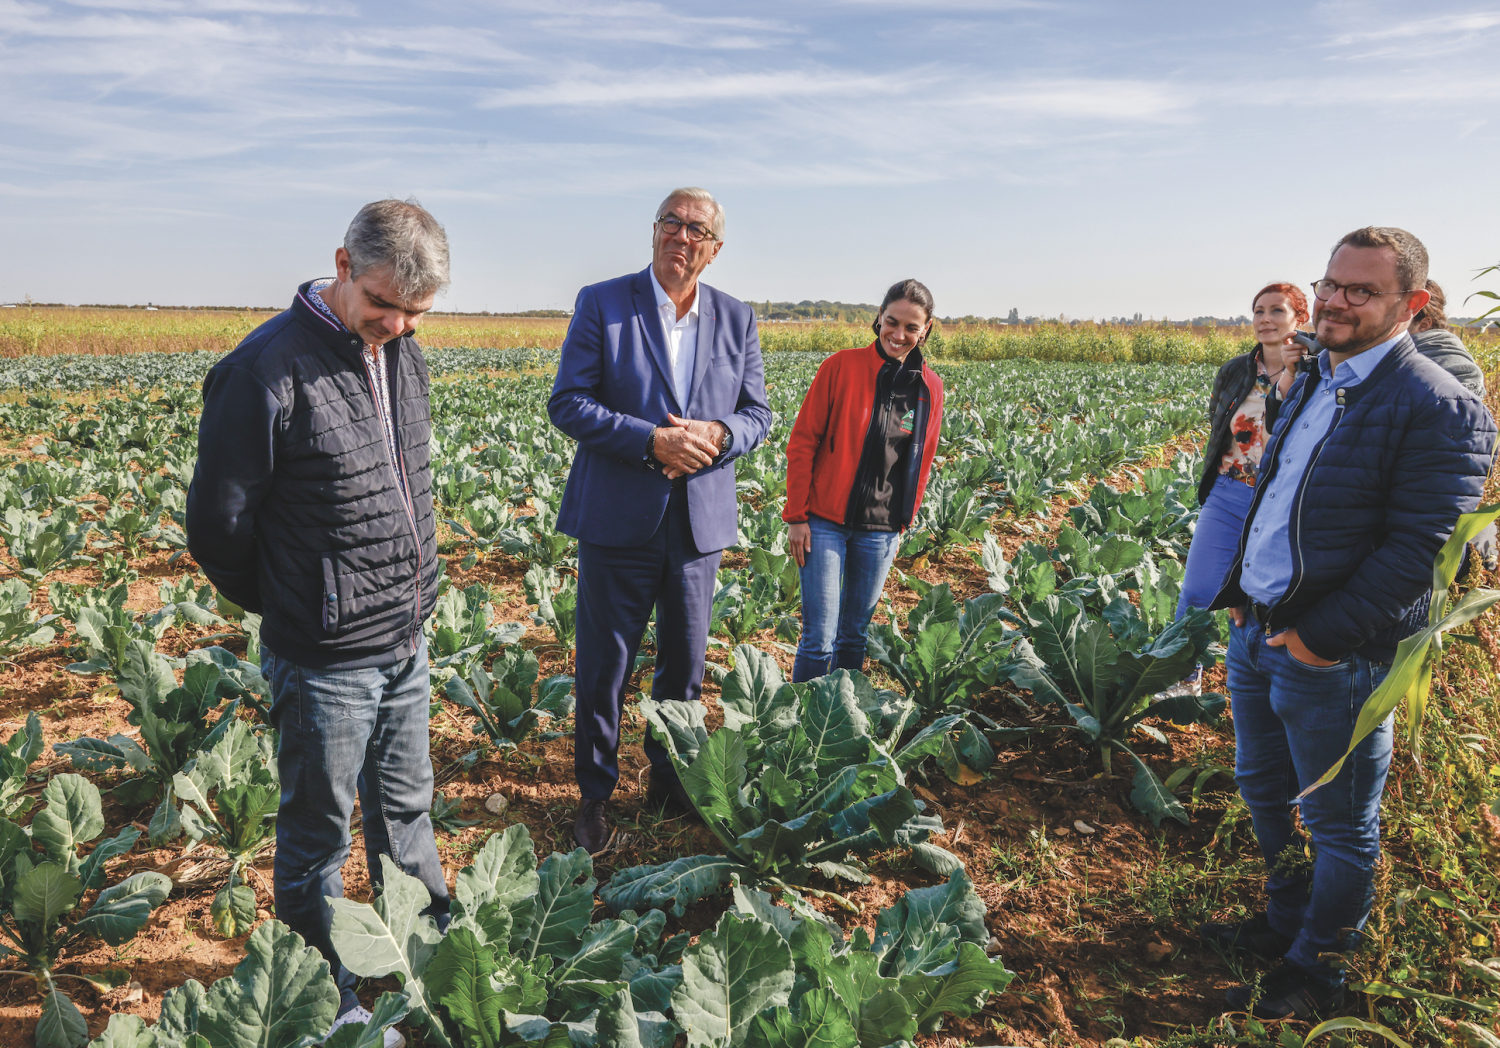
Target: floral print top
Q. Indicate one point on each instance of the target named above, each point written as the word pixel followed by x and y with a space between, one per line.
pixel 1248 434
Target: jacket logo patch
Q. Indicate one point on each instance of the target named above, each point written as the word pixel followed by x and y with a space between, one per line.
pixel 909 422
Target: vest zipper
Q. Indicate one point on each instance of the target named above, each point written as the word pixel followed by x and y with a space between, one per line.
pixel 403 485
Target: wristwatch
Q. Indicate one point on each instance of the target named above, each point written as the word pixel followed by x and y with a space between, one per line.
pixel 727 442
pixel 652 463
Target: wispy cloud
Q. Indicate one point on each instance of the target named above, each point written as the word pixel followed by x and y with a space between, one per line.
pixel 225 108
pixel 1082 99
pixel 1459 25
pixel 693 87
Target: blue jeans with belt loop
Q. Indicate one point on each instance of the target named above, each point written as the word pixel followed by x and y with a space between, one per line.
pixel 340 732
pixel 1292 721
pixel 841 581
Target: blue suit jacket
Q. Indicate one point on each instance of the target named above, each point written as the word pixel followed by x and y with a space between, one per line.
pixel 614 386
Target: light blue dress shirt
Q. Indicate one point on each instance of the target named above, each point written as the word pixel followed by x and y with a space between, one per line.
pixel 1269 561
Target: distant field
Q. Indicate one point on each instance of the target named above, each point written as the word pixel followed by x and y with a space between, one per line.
pixel 52 331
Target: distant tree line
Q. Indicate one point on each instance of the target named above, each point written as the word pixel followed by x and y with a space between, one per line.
pixel 841 312
pixel 862 313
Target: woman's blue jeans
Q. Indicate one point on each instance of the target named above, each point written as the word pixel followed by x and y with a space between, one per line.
pixel 841 581
pixel 1292 721
pixel 342 732
pixel 1216 542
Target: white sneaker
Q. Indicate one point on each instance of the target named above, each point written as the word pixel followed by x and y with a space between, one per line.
pixel 1192 686
pixel 393 1038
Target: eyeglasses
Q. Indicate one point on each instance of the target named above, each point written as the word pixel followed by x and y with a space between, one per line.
pixel 1357 294
pixel 696 231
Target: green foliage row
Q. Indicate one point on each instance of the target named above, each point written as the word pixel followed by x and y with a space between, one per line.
pixel 523 964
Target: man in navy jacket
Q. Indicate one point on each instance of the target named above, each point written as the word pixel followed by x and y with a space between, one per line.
pixel 662 386
pixel 1372 460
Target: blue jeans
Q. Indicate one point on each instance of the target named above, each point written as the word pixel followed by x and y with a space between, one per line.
pixel 841 581
pixel 1216 542
pixel 1291 722
pixel 340 731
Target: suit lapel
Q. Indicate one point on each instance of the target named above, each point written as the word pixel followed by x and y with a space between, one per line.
pixel 707 308
pixel 650 322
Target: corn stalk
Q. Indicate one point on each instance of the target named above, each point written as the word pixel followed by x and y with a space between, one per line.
pixel 1410 678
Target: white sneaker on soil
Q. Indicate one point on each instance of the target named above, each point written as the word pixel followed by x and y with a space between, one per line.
pixel 1191 686
pixel 393 1038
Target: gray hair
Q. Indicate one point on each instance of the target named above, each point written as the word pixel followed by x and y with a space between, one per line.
pixel 702 196
pixel 400 235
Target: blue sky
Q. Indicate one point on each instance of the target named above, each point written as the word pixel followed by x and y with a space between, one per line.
pixel 1084 158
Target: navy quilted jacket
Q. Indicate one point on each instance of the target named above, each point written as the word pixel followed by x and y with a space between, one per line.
pixel 1408 452
pixel 295 510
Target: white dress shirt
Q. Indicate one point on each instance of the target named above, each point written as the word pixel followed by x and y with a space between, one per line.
pixel 682 340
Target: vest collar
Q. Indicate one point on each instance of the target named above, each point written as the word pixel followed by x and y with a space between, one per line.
pixel 334 336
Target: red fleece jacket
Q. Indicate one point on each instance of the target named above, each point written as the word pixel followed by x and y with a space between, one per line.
pixel 822 455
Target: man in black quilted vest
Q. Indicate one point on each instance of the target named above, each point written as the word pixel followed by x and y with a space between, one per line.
pixel 311 504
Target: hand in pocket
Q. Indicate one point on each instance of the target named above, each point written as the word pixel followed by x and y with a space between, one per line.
pixel 1298 651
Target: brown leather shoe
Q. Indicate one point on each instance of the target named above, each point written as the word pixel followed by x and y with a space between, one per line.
pixel 667 796
pixel 590 827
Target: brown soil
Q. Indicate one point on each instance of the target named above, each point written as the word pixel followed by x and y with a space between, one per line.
pixel 1066 907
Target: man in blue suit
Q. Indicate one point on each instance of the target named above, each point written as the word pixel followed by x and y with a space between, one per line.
pixel 662 386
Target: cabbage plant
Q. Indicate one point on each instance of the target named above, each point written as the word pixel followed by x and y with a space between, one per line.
pixel 43 876
pixel 1113 666
pixel 174 724
pixel 280 996
pixel 522 963
pixel 20 627
pixel 501 699
pixel 796 781
pixel 230 795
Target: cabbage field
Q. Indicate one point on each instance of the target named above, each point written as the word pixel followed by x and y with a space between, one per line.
pixel 991 837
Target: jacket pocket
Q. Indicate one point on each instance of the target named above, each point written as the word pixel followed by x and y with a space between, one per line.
pixel 330 610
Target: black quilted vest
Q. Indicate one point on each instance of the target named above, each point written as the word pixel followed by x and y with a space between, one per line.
pixel 347 567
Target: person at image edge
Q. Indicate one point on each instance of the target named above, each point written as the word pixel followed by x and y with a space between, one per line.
pixel 1373 458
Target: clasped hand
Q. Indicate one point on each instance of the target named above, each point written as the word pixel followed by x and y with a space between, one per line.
pixel 685 446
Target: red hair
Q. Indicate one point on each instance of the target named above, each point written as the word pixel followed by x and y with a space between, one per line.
pixel 1294 296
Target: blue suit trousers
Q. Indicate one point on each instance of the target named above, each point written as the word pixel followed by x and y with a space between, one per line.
pixel 617 588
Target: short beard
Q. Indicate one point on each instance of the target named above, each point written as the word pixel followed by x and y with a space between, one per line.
pixel 1357 341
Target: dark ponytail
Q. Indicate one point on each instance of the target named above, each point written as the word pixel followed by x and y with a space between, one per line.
pixel 913 291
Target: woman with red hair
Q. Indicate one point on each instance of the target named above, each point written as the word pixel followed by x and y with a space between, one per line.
pixel 1246 395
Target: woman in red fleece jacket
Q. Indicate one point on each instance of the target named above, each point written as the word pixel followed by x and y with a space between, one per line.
pixel 856 468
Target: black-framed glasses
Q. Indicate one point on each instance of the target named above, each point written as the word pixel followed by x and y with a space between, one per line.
pixel 1357 294
pixel 697 232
